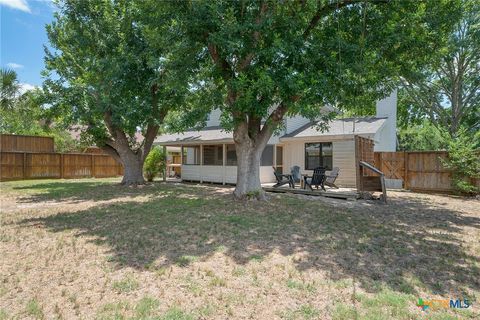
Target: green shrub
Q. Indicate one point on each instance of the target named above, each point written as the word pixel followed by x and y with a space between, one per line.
pixel 154 163
pixel 463 160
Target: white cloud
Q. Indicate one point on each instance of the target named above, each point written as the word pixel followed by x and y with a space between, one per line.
pixel 24 87
pixel 16 4
pixel 14 65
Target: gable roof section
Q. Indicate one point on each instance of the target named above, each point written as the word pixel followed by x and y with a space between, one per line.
pixel 347 126
pixel 216 134
pixel 213 134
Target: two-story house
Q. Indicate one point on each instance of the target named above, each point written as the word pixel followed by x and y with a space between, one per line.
pixel 209 155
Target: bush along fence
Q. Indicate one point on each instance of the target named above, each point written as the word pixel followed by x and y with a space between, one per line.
pixel 419 170
pixel 43 165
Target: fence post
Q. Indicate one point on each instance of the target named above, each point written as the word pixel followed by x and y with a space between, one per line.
pixel 92 170
pixel 405 174
pixel 24 165
pixel 61 166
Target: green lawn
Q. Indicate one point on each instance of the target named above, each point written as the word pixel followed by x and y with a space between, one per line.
pixel 93 249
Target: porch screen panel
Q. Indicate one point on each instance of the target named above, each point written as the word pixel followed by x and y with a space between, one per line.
pixel 231 155
pixel 191 155
pixel 279 164
pixel 213 155
pixel 279 155
pixel 318 154
pixel 267 156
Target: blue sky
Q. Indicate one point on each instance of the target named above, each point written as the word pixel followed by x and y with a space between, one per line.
pixel 23 35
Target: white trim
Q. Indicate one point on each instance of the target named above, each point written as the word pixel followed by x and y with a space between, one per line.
pixel 201 163
pixel 224 162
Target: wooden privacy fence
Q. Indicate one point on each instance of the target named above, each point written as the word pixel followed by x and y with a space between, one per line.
pixel 12 142
pixel 41 165
pixel 419 170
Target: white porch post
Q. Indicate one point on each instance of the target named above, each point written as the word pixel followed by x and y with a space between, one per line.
pixel 181 161
pixel 275 156
pixel 201 163
pixel 224 157
pixel 166 162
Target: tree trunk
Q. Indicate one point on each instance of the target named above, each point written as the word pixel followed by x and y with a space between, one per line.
pixel 249 145
pixel 132 167
pixel 248 172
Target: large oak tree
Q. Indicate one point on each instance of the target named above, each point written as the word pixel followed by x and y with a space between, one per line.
pixel 106 76
pixel 272 59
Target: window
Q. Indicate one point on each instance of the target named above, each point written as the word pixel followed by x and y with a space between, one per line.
pixel 191 155
pixel 213 155
pixel 318 154
pixel 231 155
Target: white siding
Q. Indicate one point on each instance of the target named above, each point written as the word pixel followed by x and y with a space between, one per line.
pixel 214 118
pixel 191 172
pixel 266 174
pixel 212 174
pixel 220 174
pixel 386 138
pixel 231 174
pixel 343 157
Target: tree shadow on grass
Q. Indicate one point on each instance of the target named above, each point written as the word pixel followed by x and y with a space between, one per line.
pixel 76 191
pixel 376 245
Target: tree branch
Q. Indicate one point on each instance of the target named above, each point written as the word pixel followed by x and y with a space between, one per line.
pixel 256 37
pixel 330 7
pixel 272 121
pixel 322 11
pixel 111 151
pixel 222 64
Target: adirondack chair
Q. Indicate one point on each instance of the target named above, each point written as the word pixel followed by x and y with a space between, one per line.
pixel 330 178
pixel 318 179
pixel 296 176
pixel 283 179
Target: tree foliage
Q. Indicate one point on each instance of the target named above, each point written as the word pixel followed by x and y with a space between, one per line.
pixel 25 114
pixel 105 75
pixel 421 137
pixel 10 88
pixel 463 161
pixel 447 90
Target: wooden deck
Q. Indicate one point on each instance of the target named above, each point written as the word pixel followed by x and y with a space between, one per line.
pixel 342 193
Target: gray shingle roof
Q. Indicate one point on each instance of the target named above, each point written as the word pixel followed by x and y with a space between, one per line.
pixel 207 134
pixel 369 125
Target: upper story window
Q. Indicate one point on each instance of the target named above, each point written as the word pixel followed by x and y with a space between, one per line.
pixel 318 154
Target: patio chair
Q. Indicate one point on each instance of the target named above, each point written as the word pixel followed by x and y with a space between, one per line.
pixel 283 179
pixel 318 179
pixel 296 176
pixel 330 178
